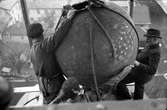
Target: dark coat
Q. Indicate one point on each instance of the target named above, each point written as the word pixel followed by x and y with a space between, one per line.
pixel 43 58
pixel 46 66
pixel 149 60
pixel 43 52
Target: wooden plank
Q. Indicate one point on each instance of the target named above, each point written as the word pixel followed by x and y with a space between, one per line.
pixel 159 104
pixel 131 7
pixel 26 18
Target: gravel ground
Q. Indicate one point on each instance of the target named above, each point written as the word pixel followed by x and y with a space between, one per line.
pixel 157 87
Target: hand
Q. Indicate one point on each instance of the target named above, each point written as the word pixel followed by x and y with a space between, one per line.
pixel 70 14
pixel 66 10
pixel 136 63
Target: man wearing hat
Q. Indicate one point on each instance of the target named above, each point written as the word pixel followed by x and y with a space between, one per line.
pixel 144 68
pixel 45 64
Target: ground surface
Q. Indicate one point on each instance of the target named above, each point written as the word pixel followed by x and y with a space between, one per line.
pixel 157 87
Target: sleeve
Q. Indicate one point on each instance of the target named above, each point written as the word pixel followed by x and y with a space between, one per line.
pixel 61 32
pixel 142 54
pixel 152 65
pixel 49 44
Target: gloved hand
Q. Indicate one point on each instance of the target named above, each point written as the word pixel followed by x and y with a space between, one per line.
pixel 65 10
pixel 71 13
pixel 136 63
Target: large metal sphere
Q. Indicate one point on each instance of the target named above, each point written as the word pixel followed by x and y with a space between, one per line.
pixel 110 54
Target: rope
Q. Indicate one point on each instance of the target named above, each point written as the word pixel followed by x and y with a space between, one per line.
pixel 103 28
pixel 93 63
pixel 92 49
pixel 37 98
pixel 107 35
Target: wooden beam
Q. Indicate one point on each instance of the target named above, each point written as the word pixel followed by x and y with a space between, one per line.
pixel 131 7
pixel 25 17
pixel 158 104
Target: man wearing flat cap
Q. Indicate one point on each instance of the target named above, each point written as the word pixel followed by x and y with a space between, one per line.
pixel 144 68
pixel 43 57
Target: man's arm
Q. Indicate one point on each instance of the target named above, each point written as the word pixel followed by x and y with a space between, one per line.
pixel 151 68
pixel 61 32
pixel 51 43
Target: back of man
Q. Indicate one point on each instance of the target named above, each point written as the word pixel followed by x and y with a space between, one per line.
pixel 46 67
pixel 43 56
pixel 50 75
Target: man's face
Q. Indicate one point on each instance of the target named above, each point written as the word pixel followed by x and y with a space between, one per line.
pixel 152 41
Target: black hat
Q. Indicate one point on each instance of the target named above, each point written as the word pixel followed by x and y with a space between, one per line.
pixel 35 30
pixel 153 33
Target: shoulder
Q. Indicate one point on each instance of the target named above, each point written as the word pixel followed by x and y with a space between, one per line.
pixel 155 49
